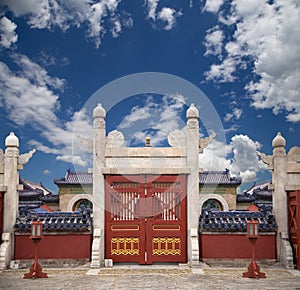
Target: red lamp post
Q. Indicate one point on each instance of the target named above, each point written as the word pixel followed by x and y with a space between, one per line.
pixel 36 235
pixel 253 268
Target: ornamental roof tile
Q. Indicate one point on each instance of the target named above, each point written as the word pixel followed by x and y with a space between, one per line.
pixel 80 221
pixel 235 221
pixel 218 177
pixel 32 186
pixel 73 177
pixel 259 186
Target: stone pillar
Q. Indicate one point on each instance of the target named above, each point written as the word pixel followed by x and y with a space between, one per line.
pixel 99 128
pixel 192 147
pixel 279 179
pixel 278 164
pixel 11 180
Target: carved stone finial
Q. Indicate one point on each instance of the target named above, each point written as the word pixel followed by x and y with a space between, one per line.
pixel 278 141
pixel 99 112
pixel 148 142
pixel 24 158
pixel 192 112
pixel 12 140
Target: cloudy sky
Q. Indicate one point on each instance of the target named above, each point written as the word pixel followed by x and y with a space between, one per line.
pixel 243 55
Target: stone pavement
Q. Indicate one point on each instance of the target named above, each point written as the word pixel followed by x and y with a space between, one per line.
pixel 151 277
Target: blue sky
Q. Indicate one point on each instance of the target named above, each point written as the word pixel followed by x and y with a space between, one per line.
pixel 54 55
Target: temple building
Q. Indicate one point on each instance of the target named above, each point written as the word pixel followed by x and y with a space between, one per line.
pixel 218 190
pixel 34 195
pixel 75 190
pixel 258 194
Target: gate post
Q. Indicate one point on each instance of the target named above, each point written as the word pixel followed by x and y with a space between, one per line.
pixel 99 128
pixel 10 164
pixel 192 148
pixel 285 177
pixel 280 196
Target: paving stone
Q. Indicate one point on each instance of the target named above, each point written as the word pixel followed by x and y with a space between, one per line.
pixel 151 278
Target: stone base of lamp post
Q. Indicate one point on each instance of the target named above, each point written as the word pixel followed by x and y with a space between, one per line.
pixel 254 271
pixel 253 268
pixel 35 270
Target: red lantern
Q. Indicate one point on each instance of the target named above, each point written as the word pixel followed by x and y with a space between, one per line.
pixel 36 230
pixel 252 229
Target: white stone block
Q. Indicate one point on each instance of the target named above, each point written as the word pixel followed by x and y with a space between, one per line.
pixel 14 264
pixel 108 263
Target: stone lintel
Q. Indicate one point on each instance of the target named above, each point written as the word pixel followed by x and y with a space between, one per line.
pixel 146 170
pixel 131 152
pixel 292 187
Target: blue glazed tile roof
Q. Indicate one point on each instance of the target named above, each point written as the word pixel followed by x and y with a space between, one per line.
pixel 235 221
pixel 73 177
pixel 80 221
pixel 218 177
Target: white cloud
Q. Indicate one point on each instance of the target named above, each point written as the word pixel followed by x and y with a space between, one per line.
pixel 239 156
pixel 46 172
pixel 245 160
pixel 137 114
pixel 237 112
pixel 152 6
pixel 166 14
pixel 8 35
pixel 30 99
pixel 36 74
pixel 213 5
pixel 214 41
pixel 266 39
pixel 99 17
pixel 223 72
pixel 214 157
pixel 154 118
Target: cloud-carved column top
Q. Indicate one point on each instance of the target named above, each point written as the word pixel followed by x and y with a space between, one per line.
pixel 24 158
pixel 203 142
pixel 267 159
pixel 115 139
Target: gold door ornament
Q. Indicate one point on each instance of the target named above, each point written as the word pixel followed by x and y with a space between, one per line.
pixel 166 246
pixel 125 246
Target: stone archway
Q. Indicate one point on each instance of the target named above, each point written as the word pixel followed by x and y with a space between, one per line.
pixel 77 198
pixel 217 197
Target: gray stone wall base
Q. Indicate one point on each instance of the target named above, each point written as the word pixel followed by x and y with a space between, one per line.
pixel 5 251
pixel 96 249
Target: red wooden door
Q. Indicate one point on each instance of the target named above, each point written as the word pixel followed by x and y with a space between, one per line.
pixel 294 223
pixel 145 218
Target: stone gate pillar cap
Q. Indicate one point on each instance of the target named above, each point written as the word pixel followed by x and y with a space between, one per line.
pixel 12 140
pixel 278 141
pixel 192 112
pixel 99 112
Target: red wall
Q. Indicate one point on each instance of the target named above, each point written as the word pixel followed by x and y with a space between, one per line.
pixel 236 246
pixel 60 246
